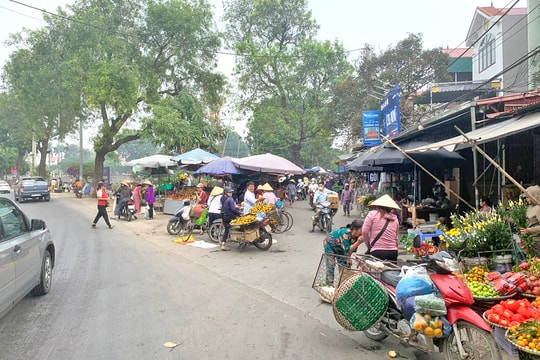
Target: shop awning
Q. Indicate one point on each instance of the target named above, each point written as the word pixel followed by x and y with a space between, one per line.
pixel 486 134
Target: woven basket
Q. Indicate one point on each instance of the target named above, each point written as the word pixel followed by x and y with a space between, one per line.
pixel 359 302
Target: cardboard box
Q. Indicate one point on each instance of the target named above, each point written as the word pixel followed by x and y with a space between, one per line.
pixel 334 199
pixel 245 235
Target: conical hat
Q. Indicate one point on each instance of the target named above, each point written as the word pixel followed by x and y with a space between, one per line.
pixel 216 191
pixel 266 187
pixel 385 201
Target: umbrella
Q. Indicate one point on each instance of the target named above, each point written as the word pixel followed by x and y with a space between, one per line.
pixel 268 163
pixel 219 167
pixel 391 156
pixel 153 161
pixel 195 157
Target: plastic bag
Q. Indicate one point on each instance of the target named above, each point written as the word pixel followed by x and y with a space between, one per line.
pixel 427 325
pixel 412 286
pixel 429 304
pixel 186 212
pixel 419 271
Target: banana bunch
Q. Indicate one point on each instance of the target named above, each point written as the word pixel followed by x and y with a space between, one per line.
pixel 243 220
pixel 261 208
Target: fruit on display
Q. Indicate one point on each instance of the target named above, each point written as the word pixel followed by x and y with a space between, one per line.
pixel 476 273
pixel 424 250
pixel 261 208
pixel 508 313
pixel 392 354
pixel 243 220
pixel 526 335
pixel 482 289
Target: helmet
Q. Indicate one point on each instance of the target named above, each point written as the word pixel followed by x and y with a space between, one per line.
pixel 228 189
pixel 299 181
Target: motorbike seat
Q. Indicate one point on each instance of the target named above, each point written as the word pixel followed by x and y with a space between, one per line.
pixel 391 277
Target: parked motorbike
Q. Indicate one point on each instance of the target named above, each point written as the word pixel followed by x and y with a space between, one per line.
pixel 263 242
pixel 181 222
pixel 325 217
pixel 469 337
pixel 127 211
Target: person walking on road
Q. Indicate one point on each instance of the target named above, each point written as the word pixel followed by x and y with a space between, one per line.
pixel 102 199
pixel 150 199
pixel 229 211
pixel 346 199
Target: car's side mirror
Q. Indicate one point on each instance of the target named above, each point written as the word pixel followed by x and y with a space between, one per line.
pixel 38 224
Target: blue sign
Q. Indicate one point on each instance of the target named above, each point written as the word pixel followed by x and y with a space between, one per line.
pixel 371 127
pixel 390 107
pixel 107 175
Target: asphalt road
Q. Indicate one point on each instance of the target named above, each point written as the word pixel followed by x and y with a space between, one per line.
pixel 123 293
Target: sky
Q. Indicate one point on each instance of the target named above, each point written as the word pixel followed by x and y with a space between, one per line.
pixel 382 24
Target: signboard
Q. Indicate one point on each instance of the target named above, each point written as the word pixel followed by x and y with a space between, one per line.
pixel 107 175
pixel 371 127
pixel 390 107
pixel 373 177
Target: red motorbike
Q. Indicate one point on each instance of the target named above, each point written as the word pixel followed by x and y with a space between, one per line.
pixel 469 337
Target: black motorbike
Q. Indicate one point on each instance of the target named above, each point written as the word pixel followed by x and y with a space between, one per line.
pixel 178 223
pixel 325 217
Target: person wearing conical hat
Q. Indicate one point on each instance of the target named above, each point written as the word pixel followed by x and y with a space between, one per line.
pixel 214 204
pixel 268 195
pixel 380 231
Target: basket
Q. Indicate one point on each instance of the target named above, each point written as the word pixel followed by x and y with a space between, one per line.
pixel 360 302
pixel 523 353
pixel 329 272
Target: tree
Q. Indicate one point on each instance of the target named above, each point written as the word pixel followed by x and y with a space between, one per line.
pixel 407 64
pixel 285 75
pixel 36 75
pixel 131 57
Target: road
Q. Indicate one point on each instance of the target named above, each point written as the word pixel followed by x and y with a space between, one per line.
pixel 123 293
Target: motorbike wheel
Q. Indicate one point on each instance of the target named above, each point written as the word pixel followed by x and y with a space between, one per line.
pixel 174 227
pixel 214 231
pixel 375 333
pixel 328 224
pixel 265 240
pixel 478 343
pixel 289 220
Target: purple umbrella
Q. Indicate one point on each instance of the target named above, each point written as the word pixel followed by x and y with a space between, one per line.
pixel 268 163
pixel 219 167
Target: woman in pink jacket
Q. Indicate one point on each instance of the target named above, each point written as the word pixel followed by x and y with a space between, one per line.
pixel 381 228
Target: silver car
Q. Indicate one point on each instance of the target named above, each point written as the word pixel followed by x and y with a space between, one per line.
pixel 4 187
pixel 27 256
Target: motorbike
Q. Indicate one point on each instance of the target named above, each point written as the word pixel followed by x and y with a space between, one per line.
pixel 468 335
pixel 325 217
pixel 262 242
pixel 301 192
pixel 78 192
pixel 127 211
pixel 178 223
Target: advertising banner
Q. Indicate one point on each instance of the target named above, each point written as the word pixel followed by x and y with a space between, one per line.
pixel 371 127
pixel 390 112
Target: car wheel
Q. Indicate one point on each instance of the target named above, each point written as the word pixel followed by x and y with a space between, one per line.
pixel 47 198
pixel 44 285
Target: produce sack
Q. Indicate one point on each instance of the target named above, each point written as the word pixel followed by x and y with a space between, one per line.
pixel 411 286
pixel 427 325
pixel 418 271
pixel 430 304
pixel 407 307
pixel 185 212
pixel 201 219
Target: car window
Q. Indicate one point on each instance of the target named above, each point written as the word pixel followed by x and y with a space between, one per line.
pixel 11 220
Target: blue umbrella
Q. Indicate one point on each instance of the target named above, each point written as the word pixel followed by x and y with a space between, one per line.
pixel 219 167
pixel 195 157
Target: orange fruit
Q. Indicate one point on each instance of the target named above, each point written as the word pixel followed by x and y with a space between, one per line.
pixel 428 331
pixel 437 332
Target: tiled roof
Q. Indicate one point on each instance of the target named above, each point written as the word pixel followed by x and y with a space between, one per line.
pixel 459 52
pixel 492 11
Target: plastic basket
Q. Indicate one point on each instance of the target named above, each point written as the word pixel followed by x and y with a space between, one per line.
pixel 360 302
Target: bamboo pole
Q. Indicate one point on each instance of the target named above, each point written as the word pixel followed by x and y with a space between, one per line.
pixel 497 166
pixel 447 188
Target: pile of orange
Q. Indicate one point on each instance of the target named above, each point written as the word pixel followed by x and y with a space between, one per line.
pixel 476 273
pixel 526 335
pixel 425 324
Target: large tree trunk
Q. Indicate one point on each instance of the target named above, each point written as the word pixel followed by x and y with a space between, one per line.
pixel 43 149
pixel 98 171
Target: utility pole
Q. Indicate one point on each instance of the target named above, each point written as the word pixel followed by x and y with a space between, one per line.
pixel 81 149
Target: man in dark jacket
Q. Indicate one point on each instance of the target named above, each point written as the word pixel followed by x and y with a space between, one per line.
pixel 229 211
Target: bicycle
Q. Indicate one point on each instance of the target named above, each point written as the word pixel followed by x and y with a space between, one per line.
pixel 284 220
